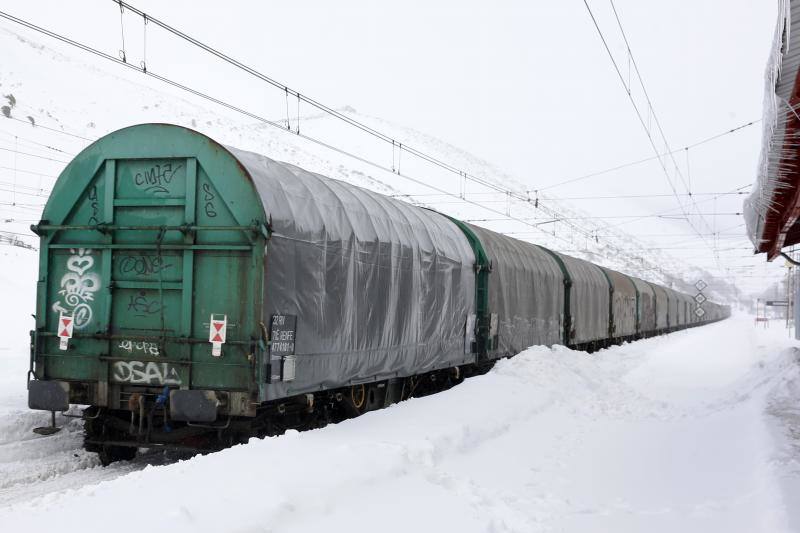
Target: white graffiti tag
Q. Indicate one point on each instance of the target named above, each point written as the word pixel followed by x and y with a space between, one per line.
pixel 149 348
pixel 78 286
pixel 141 373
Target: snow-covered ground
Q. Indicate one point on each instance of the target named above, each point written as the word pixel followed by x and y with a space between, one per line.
pixel 696 431
pixel 687 432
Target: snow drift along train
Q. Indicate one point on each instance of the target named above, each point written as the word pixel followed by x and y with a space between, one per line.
pixel 194 295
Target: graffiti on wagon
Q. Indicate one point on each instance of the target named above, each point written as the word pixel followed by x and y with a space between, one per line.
pixel 147 348
pixel 142 265
pixel 143 306
pixel 78 286
pixel 141 373
pixel 156 179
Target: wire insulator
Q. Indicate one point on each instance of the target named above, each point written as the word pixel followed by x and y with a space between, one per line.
pixel 288 124
pixel 122 54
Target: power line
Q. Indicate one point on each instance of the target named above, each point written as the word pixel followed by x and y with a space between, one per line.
pixel 26 187
pixel 572 198
pixel 651 235
pixel 510 193
pixel 675 217
pixel 32 155
pixel 232 107
pixel 30 141
pixel 675 209
pixel 363 127
pixel 402 147
pixel 296 94
pixel 631 196
pixel 29 172
pixel 641 119
pixel 36 125
pixel 647 159
pixel 15 233
pixel 649 102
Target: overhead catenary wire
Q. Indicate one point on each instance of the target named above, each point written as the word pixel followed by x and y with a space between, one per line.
pixel 515 194
pixel 268 121
pixel 37 125
pixel 16 233
pixel 36 143
pixel 574 198
pixel 591 217
pixel 228 105
pixel 651 235
pixel 675 209
pixel 28 154
pixel 402 147
pixel 655 116
pixel 639 114
pixel 647 159
pixel 288 91
pixel 255 116
pixel 147 18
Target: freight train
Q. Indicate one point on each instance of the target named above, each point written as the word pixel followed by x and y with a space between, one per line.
pixel 193 295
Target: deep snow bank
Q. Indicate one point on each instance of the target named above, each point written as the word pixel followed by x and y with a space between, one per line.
pixel 667 434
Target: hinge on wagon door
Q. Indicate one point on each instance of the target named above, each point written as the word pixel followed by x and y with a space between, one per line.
pixel 264 229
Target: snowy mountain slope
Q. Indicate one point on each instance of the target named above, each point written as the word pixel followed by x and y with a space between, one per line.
pixel 667 434
pixel 118 98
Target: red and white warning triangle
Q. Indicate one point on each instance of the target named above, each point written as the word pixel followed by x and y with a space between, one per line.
pixel 217 331
pixel 65 326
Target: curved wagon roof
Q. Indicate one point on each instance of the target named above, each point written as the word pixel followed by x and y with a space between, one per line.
pixel 379 287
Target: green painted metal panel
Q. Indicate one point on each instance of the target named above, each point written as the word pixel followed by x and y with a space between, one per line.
pixel 610 303
pixel 567 289
pixel 484 343
pixel 148 232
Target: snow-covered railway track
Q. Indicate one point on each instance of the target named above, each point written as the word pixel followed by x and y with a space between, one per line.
pixel 32 465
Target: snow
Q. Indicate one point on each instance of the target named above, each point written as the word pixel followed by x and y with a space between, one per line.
pixel 686 432
pixel 695 431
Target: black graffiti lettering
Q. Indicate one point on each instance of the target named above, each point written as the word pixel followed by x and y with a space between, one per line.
pixel 142 306
pixel 208 197
pixel 95 206
pixel 142 265
pixel 157 178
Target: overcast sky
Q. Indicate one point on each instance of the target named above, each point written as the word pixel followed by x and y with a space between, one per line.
pixel 525 84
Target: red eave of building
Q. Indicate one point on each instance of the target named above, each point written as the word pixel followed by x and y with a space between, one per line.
pixel 782 218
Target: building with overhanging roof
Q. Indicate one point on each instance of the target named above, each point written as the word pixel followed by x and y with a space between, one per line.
pixel 772 211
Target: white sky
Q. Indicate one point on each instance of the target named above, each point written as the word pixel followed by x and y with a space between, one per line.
pixel 526 85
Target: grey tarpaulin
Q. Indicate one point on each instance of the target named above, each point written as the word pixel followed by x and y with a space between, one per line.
pixel 588 300
pixel 623 304
pixel 526 290
pixel 647 320
pixel 683 308
pixel 380 288
pixel 661 306
pixel 674 312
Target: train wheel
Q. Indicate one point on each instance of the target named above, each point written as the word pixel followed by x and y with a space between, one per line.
pixel 354 401
pixel 358 397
